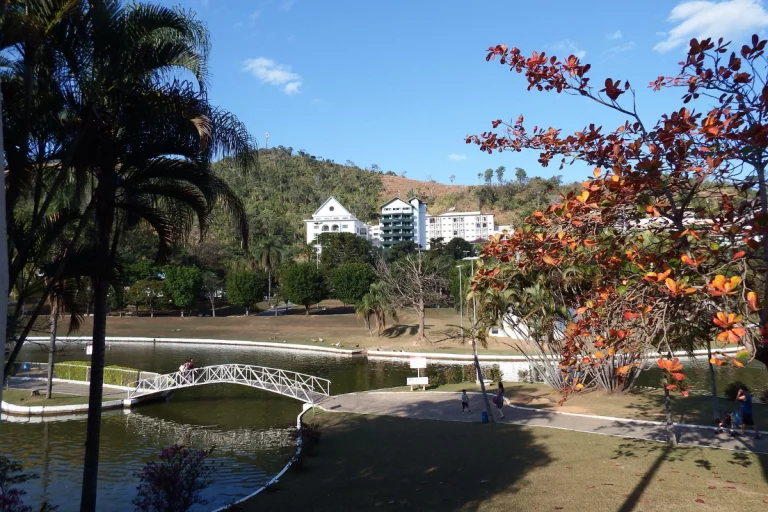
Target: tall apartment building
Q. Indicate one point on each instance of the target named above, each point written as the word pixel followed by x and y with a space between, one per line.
pixel 403 221
pixel 471 226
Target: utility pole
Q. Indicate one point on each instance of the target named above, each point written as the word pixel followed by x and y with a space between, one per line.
pixel 461 303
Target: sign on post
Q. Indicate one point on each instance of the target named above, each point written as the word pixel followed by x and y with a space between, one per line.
pixel 89 349
pixel 418 362
pixel 418 381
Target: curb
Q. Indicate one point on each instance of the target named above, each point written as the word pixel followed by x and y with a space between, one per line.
pixel 305 408
pixel 206 341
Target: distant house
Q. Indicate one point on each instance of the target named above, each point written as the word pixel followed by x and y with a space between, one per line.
pixel 332 217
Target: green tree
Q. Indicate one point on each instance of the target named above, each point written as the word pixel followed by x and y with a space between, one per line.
pixel 521 176
pixel 376 304
pixel 459 248
pixel 147 292
pixel 270 254
pixel 183 284
pixel 341 248
pixel 437 245
pixel 351 281
pixel 500 175
pixel 488 176
pixel 304 285
pixel 211 284
pixel 246 288
pixel 400 250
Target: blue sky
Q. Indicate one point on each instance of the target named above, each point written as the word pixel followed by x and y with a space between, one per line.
pixel 400 83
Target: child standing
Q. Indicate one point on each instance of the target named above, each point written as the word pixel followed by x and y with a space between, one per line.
pixel 465 402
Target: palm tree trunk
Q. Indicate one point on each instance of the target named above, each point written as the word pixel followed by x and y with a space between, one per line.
pixel 104 220
pixel 3 259
pixel 52 348
pixel 213 308
pixel 422 317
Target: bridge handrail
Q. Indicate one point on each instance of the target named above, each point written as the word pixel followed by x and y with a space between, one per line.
pixel 259 376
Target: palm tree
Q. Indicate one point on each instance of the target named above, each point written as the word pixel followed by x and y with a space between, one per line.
pixel 142 70
pixel 270 254
pixel 376 303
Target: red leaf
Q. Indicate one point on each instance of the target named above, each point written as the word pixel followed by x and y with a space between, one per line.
pixel 699 500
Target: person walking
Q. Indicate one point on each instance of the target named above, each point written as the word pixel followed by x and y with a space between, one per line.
pixel 499 399
pixel 465 401
pixel 745 405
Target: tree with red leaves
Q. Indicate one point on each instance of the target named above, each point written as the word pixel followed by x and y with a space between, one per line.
pixel 668 237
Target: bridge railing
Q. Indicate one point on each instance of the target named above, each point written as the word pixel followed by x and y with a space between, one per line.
pixel 302 386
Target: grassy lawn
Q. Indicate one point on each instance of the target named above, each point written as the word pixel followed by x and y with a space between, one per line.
pixel 387 463
pixel 24 397
pixel 640 404
pixel 333 323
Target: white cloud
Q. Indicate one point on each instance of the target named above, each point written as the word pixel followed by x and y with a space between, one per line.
pixel 566 45
pixel 269 72
pixel 456 157
pixel 701 19
pixel 615 50
pixel 615 35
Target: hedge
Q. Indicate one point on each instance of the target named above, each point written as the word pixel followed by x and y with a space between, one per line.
pixel 113 374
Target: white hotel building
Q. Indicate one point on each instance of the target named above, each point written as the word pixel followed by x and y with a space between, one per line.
pixel 332 217
pixel 470 226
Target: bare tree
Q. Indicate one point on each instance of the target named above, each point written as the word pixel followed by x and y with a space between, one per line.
pixel 415 282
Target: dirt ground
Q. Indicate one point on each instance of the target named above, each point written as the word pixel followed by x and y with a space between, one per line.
pixel 332 323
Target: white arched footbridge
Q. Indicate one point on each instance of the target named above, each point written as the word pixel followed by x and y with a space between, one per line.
pixel 307 388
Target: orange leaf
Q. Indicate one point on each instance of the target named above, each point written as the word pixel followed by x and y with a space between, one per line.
pixel 596 172
pixel 611 352
pixel 599 355
pixel 670 387
pixel 623 370
pixel 628 315
pixel 678 376
pixel 549 259
pixel 688 260
pixel 738 364
pixel 752 300
pixel 581 310
pixel 590 243
pixel 671 284
pixel 738 255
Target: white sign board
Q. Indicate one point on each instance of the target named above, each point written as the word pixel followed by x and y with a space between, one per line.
pixel 89 349
pixel 418 362
pixel 418 381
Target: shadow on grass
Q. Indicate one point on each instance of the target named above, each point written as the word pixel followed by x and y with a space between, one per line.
pixel 367 462
pixel 400 329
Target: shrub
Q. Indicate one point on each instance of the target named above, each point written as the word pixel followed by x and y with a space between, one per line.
pixel 524 375
pixel 454 375
pixel 176 483
pixel 79 370
pixel 493 373
pixel 470 374
pixel 11 474
pixel 732 389
pixel 763 397
pixel 436 376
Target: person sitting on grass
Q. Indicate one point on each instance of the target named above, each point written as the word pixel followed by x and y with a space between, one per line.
pixel 745 404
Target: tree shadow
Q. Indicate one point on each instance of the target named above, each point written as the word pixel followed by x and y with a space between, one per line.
pixel 404 464
pixel 398 330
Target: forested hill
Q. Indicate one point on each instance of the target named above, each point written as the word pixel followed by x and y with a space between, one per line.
pixel 288 186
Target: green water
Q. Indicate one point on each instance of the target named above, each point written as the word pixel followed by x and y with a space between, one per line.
pixel 249 428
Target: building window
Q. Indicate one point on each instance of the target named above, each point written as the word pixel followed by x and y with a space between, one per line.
pixel 485 225
pixel 431 221
pixel 335 228
pixel 344 226
pixel 325 228
pixel 455 233
pixel 317 227
pixel 494 331
pixel 477 225
pixel 330 208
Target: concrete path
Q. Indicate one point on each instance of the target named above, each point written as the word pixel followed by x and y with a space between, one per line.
pixel 447 407
pixel 65 388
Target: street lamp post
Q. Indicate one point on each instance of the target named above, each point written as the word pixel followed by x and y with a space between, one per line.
pixel 461 303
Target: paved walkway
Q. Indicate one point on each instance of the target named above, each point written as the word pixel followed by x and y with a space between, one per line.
pixel 65 388
pixel 447 407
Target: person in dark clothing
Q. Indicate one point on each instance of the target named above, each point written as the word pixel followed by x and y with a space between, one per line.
pixel 745 405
